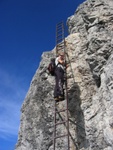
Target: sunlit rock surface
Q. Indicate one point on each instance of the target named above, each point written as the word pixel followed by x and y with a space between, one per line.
pixel 89 54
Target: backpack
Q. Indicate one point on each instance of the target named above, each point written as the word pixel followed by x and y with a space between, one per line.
pixel 52 66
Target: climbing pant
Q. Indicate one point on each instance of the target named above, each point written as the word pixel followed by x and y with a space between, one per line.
pixel 59 82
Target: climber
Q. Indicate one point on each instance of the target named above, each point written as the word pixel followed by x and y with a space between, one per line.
pixel 59 77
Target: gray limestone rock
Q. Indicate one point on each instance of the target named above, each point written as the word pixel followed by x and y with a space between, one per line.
pixel 89 54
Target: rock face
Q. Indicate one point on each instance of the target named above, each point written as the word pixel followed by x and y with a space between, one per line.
pixel 89 49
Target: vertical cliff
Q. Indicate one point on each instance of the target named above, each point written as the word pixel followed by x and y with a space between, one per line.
pixel 89 49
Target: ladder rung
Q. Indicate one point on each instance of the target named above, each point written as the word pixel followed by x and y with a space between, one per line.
pixel 61 136
pixel 61 110
pixel 59 40
pixel 60 123
pixel 60 45
pixel 59 31
pixel 61 22
pixel 59 35
pixel 59 26
pixel 60 48
pixel 57 43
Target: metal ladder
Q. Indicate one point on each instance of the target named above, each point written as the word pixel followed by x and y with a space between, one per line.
pixel 60 46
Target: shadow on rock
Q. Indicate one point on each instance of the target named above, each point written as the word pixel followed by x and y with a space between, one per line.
pixel 76 117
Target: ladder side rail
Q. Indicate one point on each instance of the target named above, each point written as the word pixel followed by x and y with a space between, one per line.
pixel 67 115
pixel 63 122
pixel 61 110
pixel 61 136
pixel 54 140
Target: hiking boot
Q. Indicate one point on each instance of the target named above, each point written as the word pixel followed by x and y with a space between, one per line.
pixel 56 99
pixel 61 97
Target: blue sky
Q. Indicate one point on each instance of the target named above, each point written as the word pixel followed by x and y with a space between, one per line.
pixel 27 28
